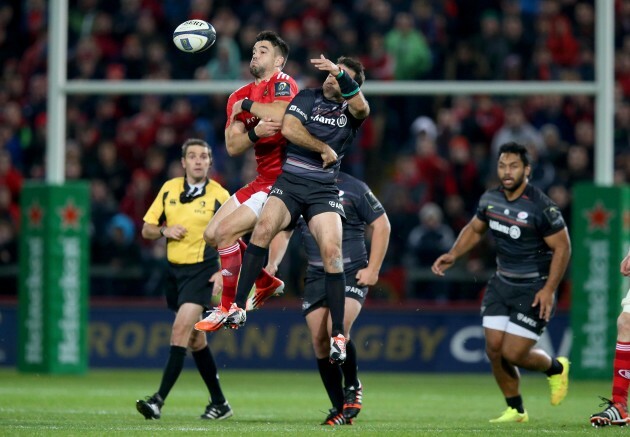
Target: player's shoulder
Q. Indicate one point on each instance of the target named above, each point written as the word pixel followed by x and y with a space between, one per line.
pixel 351 184
pixel 216 187
pixel 242 92
pixel 537 196
pixel 172 184
pixel 281 76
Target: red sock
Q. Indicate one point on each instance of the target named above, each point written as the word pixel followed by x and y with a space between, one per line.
pixel 621 376
pixel 264 279
pixel 230 268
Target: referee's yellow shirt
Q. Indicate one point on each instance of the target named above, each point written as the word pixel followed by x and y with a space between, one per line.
pixel 194 216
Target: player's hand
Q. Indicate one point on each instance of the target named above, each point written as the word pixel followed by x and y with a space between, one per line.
pixel 217 283
pixel 267 128
pixel 329 156
pixel 366 277
pixel 237 108
pixel 544 299
pixel 444 262
pixel 324 64
pixel 625 266
pixel 175 232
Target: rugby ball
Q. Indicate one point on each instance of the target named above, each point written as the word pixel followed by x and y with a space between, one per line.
pixel 194 36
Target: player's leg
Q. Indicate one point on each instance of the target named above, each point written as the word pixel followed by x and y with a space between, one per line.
pixel 327 231
pixel 616 411
pixel 522 333
pixel 274 217
pixel 233 220
pixel 317 322
pixel 218 407
pixel 353 389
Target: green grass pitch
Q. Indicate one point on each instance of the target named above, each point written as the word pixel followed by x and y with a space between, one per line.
pixel 286 403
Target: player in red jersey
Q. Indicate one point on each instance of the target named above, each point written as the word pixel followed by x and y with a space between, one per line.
pixel 254 119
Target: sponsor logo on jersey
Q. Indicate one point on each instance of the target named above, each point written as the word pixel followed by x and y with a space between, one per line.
pixel 342 120
pixel 527 320
pixel 172 202
pixel 294 108
pixel 522 217
pixel 329 121
pixel 337 205
pixel 226 272
pixel 276 191
pixel 506 211
pixel 373 202
pixel 355 290
pixel 282 89
pixel 513 231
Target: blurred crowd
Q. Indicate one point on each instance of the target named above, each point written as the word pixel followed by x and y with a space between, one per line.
pixel 428 159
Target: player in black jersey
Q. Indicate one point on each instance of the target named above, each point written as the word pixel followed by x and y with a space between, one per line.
pixel 533 251
pixel 362 209
pixel 319 124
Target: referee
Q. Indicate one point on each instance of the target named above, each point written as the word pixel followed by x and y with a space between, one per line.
pixel 180 213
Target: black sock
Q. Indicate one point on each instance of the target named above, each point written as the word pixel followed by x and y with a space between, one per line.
pixel 173 368
pixel 555 369
pixel 253 263
pixel 209 373
pixel 331 377
pixel 336 298
pixel 516 402
pixel 349 367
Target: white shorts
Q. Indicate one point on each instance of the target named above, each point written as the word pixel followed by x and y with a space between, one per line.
pixel 502 323
pixel 255 202
pixel 625 302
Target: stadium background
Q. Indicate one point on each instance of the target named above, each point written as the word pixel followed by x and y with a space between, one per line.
pixel 427 158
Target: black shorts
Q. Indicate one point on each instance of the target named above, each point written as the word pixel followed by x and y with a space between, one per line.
pixel 188 283
pixel 315 290
pixel 304 197
pixel 514 298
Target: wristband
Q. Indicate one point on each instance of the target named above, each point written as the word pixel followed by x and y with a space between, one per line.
pixel 340 74
pixel 162 230
pixel 247 105
pixel 349 88
pixel 252 135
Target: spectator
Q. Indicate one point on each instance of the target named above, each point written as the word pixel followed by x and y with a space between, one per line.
pixel 412 57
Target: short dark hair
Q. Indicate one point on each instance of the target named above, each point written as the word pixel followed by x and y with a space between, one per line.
pixel 276 41
pixel 354 65
pixel 517 149
pixel 195 142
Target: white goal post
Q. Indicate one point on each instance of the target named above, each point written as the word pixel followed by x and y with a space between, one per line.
pixel 59 87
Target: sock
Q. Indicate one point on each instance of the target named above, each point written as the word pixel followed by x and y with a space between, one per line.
pixel 555 369
pixel 253 263
pixel 336 297
pixel 209 373
pixel 173 368
pixel 621 366
pixel 516 402
pixel 331 377
pixel 264 279
pixel 230 268
pixel 349 367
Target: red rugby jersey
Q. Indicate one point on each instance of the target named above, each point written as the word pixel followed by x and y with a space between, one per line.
pixel 270 151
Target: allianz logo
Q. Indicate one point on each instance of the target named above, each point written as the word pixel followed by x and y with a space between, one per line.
pixel 341 121
pixel 527 320
pixel 513 231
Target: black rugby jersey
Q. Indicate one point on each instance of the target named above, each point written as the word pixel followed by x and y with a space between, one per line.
pixel 328 121
pixel 518 228
pixel 362 208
